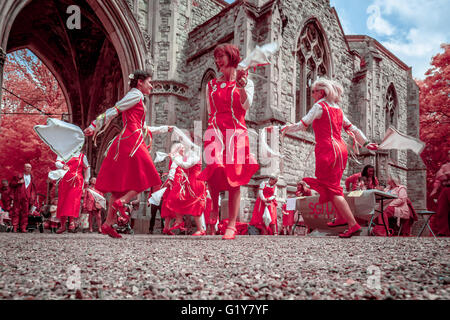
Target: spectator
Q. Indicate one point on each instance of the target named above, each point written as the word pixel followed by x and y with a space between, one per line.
pixel 302 190
pixel 362 180
pixel 24 198
pixel 92 207
pixel 440 222
pixel 288 220
pixel 6 196
pixel 400 208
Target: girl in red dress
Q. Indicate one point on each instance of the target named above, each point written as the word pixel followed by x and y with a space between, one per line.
pixel 331 152
pixel 229 163
pixel 266 198
pixel 288 220
pixel 70 190
pixel 190 193
pixel 173 181
pixel 127 169
pixel 92 207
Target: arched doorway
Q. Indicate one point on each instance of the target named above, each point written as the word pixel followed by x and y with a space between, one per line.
pixel 90 63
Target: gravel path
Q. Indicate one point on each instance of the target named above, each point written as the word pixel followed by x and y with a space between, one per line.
pixel 93 266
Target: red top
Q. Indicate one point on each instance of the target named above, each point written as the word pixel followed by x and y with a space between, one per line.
pixel 227 152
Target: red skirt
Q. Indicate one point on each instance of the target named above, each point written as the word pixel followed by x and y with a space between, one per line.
pixel 126 173
pixel 288 219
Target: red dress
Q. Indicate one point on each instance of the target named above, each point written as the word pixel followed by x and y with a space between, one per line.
pixel 258 210
pixel 170 194
pixel 128 165
pixel 288 219
pixel 331 154
pixel 189 195
pixel 89 204
pixel 70 189
pixel 229 163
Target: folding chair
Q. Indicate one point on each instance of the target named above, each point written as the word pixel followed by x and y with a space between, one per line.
pixel 427 220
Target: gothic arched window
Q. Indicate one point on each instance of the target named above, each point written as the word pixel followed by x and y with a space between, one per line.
pixel 312 61
pixel 391 112
pixel 391 107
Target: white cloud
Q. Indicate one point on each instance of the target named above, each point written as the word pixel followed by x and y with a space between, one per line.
pixel 376 23
pixel 420 28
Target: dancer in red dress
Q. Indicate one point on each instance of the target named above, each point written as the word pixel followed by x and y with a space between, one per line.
pixel 266 198
pixel 127 168
pixel 331 152
pixel 229 163
pixel 70 190
pixel 190 192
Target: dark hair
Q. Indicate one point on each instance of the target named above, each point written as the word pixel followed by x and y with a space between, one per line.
pixel 139 75
pixel 231 51
pixel 365 173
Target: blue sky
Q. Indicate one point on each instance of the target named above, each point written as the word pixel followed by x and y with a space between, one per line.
pixel 413 30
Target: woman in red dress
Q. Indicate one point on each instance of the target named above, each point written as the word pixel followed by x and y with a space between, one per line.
pixel 229 164
pixel 190 193
pixel 127 169
pixel 266 198
pixel 331 152
pixel 70 190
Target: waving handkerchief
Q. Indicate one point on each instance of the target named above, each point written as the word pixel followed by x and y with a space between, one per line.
pixel 394 139
pixel 65 139
pixel 259 56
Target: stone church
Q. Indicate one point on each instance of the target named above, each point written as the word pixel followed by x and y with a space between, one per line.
pixel 176 39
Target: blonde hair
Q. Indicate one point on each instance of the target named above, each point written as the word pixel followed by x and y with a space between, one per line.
pixel 333 89
pixel 176 147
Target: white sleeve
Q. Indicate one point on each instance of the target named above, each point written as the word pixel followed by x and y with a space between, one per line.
pixel 129 100
pixel 261 188
pixel 359 135
pixel 191 160
pixel 173 169
pixel 87 172
pixel 302 125
pixel 59 164
pixel 160 129
pixel 249 90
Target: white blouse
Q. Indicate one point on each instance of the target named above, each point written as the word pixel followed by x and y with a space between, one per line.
pixel 316 113
pixel 127 102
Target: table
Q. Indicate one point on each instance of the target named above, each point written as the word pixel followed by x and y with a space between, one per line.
pixel 362 203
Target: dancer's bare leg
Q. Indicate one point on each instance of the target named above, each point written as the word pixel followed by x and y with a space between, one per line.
pixel 234 201
pixel 344 210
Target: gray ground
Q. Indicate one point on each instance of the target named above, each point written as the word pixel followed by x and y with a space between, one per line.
pixel 93 266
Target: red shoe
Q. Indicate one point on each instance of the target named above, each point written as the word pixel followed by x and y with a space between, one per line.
pixel 179 226
pixel 200 233
pixel 118 206
pixel 353 231
pixel 61 229
pixel 233 235
pixel 168 232
pixel 336 223
pixel 110 231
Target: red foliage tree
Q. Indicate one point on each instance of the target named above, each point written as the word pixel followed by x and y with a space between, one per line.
pixel 435 113
pixel 25 76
